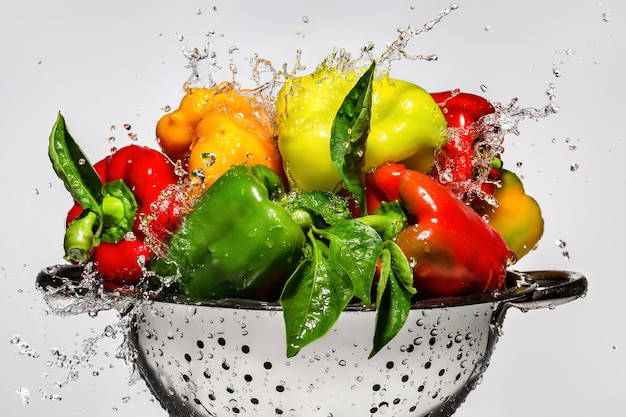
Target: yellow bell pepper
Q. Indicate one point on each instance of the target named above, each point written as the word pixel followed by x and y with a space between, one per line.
pixel 406 125
pixel 517 218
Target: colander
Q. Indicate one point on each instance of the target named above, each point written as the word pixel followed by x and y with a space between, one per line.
pixel 229 358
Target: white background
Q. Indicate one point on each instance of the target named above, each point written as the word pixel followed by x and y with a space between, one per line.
pixel 109 63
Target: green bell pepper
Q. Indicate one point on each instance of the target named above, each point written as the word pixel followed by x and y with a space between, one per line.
pixel 237 242
pixel 406 125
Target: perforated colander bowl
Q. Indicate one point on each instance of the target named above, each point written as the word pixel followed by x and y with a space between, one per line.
pixel 229 359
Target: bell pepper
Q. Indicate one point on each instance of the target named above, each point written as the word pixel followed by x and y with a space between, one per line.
pixel 383 184
pixel 451 249
pixel 146 172
pixel 405 125
pixel 237 242
pixel 174 131
pixel 517 217
pixel 456 161
pixel 215 128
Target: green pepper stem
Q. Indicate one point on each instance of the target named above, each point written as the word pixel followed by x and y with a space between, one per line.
pixel 112 210
pixel 80 238
pixel 303 218
pixel 387 227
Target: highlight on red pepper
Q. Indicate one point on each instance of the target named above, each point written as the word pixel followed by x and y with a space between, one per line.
pixel 111 197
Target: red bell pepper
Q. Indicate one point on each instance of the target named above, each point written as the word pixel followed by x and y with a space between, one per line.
pixel 456 160
pixel 383 185
pixel 452 250
pixel 146 172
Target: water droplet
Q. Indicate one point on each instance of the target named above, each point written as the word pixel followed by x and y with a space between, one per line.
pixel 35 191
pixel 573 167
pixel 127 126
pixel 561 243
pixel 566 255
pixel 557 72
pixel 483 88
pixel 133 136
pixel 606 17
pixel 487 28
pixel 111 139
pixel 305 19
pixel 197 176
pixel 24 395
pixel 82 161
pixel 198 11
pixel 166 108
pixel 519 164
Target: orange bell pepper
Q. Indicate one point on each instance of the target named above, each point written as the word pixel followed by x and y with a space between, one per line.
pixel 216 128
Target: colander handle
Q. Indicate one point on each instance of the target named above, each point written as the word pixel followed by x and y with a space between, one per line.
pixel 553 288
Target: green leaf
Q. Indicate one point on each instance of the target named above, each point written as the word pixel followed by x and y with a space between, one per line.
pixel 348 135
pixel 394 293
pixel 118 208
pixel 357 248
pixel 313 298
pixel 74 169
pixel 401 267
pixel 329 207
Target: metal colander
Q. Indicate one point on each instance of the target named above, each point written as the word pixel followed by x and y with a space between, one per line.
pixel 229 359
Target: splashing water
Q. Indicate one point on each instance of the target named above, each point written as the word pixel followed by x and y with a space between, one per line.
pixel 85 295
pixel 491 131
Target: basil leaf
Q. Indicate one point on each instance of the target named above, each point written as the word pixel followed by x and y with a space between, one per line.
pixel 357 248
pixel 313 298
pixel 118 209
pixel 348 135
pixel 74 169
pixel 393 300
pixel 330 207
pixel 401 267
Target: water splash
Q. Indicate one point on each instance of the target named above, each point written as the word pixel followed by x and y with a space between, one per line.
pixel 490 132
pixel 84 294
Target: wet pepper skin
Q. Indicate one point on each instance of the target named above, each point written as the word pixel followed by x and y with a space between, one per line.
pixel 237 242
